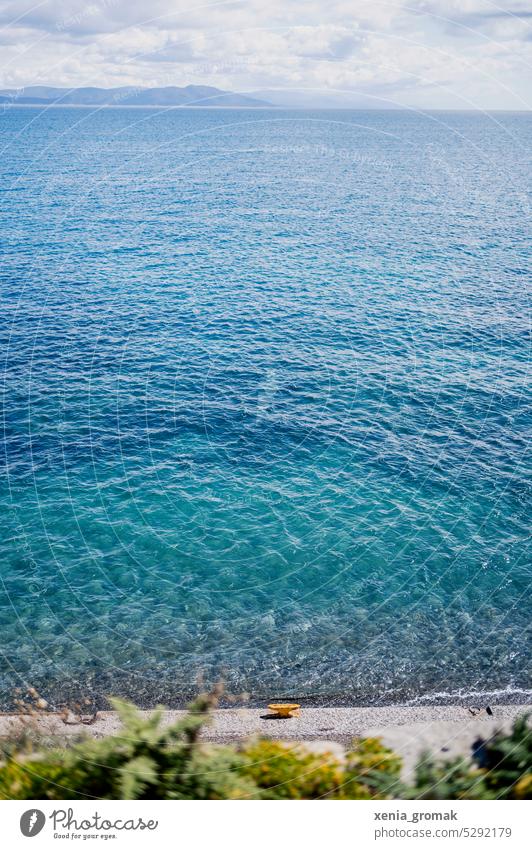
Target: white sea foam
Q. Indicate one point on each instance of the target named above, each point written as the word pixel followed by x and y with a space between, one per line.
pixel 479 695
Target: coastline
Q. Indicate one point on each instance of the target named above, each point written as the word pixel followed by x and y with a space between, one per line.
pixel 447 731
pixel 326 723
pixel 147 698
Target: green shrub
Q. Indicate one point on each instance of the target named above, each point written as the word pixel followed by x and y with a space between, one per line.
pixel 145 761
pixel 372 771
pixel 281 771
pixel 34 779
pixel 455 779
pixel 507 761
pixel 292 772
pixel 504 770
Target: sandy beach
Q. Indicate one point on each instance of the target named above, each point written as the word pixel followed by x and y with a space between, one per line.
pixel 447 731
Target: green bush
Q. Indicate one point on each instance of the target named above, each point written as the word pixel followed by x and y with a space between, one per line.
pixel 285 771
pixel 504 770
pixel 282 771
pixel 507 761
pixel 372 771
pixel 145 761
pixel 455 779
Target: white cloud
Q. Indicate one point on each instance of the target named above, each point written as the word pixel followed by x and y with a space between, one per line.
pixel 416 52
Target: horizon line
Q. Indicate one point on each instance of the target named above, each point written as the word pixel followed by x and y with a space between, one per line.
pixel 267 106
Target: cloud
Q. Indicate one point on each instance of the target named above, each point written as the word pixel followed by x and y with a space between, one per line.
pixel 458 53
pixel 464 17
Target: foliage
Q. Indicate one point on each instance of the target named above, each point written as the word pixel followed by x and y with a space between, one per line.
pixel 283 771
pixel 454 779
pixel 507 760
pixel 145 761
pixel 503 770
pixel 372 771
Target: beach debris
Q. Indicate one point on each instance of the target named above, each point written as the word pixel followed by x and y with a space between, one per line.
pixel 79 714
pixel 474 710
pixel 69 717
pixel 489 710
pixel 284 711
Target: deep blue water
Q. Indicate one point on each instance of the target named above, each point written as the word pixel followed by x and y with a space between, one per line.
pixel 265 403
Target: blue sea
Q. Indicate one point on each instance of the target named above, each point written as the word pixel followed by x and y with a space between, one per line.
pixel 265 404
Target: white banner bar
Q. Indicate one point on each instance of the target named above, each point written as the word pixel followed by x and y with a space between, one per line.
pixel 261 825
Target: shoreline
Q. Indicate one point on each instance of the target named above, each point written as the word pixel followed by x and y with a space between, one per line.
pixel 266 107
pixel 447 731
pixel 231 724
pixel 173 702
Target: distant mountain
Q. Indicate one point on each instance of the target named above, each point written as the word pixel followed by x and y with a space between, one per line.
pixel 190 95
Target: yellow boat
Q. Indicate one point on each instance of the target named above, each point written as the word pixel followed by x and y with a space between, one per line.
pixel 284 710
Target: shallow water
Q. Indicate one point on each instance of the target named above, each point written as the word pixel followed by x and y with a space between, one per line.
pixel 265 403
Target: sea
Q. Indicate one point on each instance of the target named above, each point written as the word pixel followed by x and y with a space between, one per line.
pixel 265 405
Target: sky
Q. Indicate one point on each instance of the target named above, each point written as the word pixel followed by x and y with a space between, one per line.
pixel 458 54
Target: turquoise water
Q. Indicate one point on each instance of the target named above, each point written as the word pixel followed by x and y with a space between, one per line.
pixel 265 404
